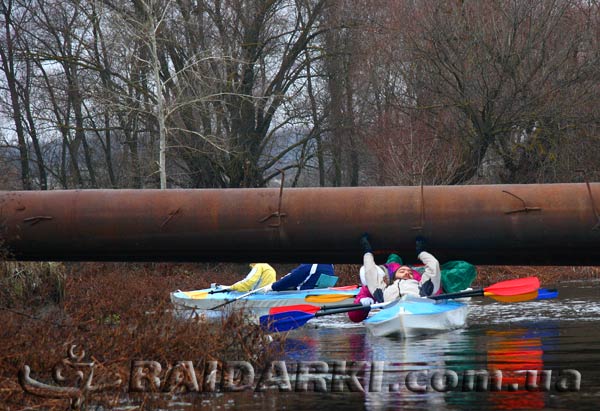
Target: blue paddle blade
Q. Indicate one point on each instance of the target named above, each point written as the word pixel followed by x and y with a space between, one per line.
pixel 285 321
pixel 546 294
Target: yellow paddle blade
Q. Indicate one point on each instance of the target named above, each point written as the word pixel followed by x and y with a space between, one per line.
pixel 327 298
pixel 196 295
pixel 513 298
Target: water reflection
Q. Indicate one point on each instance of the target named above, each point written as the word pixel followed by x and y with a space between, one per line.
pixel 445 369
pixel 547 336
pixel 518 357
pixel 389 363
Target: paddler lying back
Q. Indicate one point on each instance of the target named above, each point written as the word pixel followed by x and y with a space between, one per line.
pixel 388 282
pixel 305 277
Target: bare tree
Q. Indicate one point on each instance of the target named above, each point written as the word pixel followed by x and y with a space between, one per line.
pixel 456 92
pixel 514 73
pixel 260 47
pixel 55 46
pixel 11 14
pixel 229 93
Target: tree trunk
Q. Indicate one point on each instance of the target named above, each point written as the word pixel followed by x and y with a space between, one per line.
pixel 41 166
pixel 160 109
pixel 8 67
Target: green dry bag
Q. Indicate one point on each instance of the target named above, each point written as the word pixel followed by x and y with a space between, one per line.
pixel 457 276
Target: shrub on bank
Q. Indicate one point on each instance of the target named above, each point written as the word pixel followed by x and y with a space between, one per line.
pixel 31 283
pixel 117 313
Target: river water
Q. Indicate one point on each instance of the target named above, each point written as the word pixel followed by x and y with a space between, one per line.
pixel 558 339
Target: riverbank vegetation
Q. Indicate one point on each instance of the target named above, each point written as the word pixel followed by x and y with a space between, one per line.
pixel 116 314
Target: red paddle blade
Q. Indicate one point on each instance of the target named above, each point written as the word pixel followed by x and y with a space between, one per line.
pixel 307 308
pixel 514 287
pixel 345 288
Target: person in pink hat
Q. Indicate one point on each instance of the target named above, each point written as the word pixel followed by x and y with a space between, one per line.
pixel 388 282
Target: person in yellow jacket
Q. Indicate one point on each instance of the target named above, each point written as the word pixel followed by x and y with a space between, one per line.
pixel 260 275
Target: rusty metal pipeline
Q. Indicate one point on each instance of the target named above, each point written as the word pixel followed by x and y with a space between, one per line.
pixel 492 224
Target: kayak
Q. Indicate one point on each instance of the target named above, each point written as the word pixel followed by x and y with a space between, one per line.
pixel 413 316
pixel 259 304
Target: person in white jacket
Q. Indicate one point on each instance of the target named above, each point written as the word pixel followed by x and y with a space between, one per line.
pixel 405 280
pixel 410 282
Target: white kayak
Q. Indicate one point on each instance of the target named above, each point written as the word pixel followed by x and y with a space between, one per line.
pixel 413 316
pixel 259 304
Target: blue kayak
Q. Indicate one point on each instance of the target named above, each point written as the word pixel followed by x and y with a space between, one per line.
pixel 259 303
pixel 413 316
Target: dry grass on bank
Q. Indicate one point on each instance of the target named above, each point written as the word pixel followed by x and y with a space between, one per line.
pixel 117 313
pixel 548 275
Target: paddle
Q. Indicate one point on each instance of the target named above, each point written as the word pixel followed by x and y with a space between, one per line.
pixel 289 320
pixel 222 290
pixel 238 298
pixel 540 294
pixel 327 298
pixel 522 289
pixel 510 291
pixel 307 308
pixel 547 293
pixel 345 287
pixel 197 295
pixel 517 298
pixel 507 288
